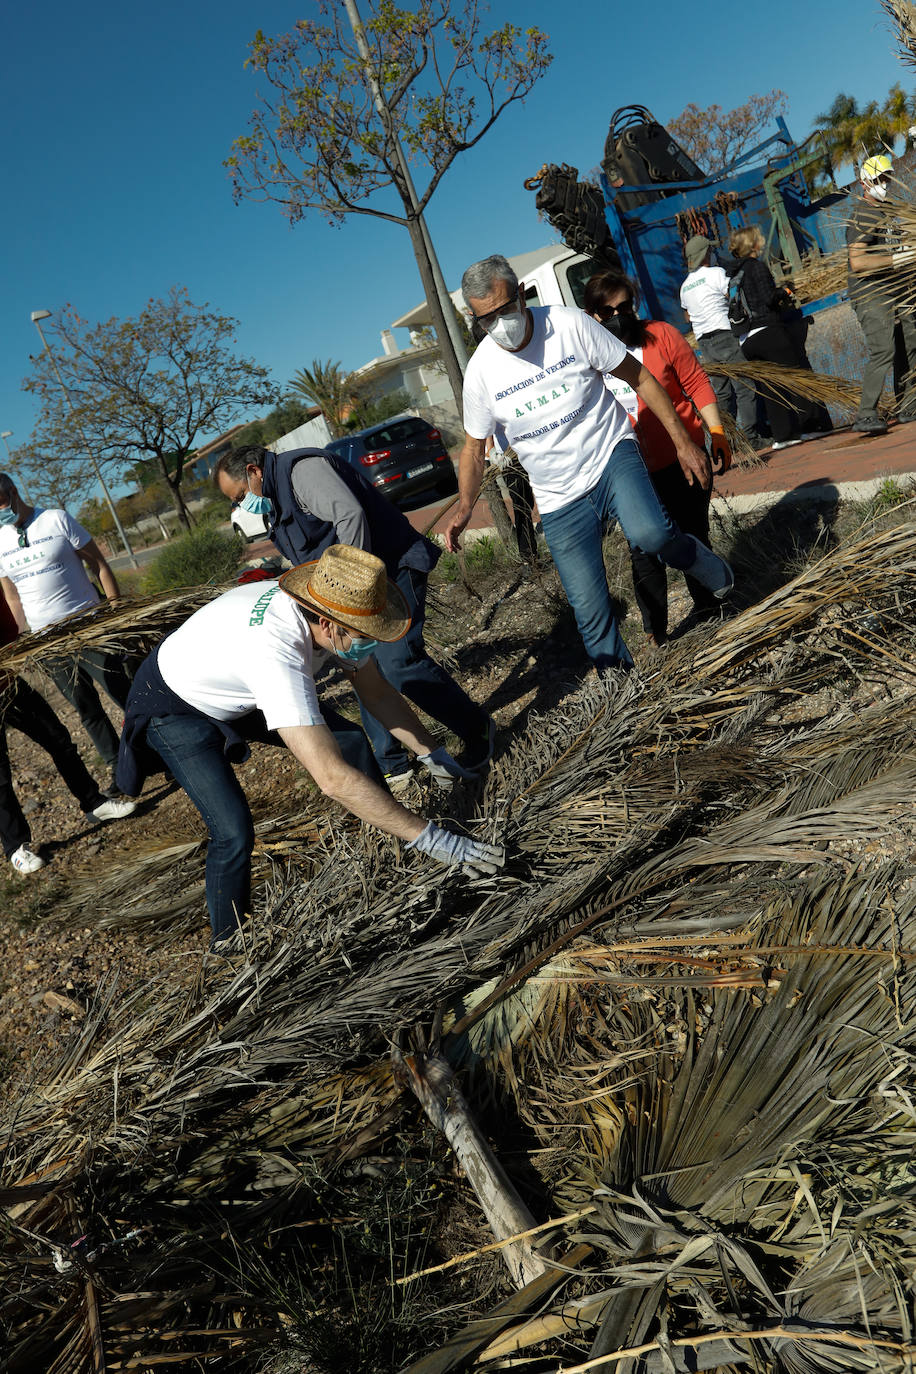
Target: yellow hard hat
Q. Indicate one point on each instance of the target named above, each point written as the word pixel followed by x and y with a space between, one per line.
pixel 878 166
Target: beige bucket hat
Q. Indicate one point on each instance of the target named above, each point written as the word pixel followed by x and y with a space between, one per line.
pixel 352 588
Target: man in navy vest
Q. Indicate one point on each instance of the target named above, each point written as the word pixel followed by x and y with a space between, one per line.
pixel 312 499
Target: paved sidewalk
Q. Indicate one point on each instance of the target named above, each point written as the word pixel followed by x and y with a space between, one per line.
pixel 851 464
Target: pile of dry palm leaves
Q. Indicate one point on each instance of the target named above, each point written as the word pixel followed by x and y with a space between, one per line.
pixel 694 1011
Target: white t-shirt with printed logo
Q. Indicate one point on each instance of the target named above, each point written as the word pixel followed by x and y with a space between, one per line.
pixel 49 574
pixel 250 649
pixel 704 295
pixel 623 392
pixel 551 401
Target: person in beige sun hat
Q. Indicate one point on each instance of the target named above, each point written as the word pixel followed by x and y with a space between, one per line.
pixel 243 668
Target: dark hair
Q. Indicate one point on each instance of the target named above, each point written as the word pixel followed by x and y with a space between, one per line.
pixel 235 463
pixel 604 284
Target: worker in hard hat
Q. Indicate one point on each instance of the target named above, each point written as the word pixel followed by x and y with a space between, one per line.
pixel 882 275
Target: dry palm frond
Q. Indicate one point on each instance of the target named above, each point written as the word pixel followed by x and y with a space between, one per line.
pixel 791 383
pixel 131 626
pixel 659 954
pixel 821 274
pixel 902 15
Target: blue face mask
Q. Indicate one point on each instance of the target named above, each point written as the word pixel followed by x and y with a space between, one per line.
pixel 358 652
pixel 7 516
pixel 256 505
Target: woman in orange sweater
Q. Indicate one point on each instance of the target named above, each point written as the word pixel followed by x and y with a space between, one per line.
pixel 610 298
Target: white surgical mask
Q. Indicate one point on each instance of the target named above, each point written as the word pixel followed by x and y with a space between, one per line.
pixel 509 330
pixel 877 190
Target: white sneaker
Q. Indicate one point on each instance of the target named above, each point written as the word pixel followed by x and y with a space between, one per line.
pixel 786 443
pixel 111 810
pixel 24 861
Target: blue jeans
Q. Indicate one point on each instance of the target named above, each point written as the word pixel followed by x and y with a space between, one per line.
pixel 193 749
pixel 574 534
pixel 411 671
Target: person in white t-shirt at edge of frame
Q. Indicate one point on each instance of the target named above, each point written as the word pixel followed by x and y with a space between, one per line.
pixel 704 301
pixel 540 377
pixel 243 668
pixel 44 557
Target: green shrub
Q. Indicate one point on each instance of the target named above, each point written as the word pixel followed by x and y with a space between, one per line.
pixel 194 559
pixel 482 557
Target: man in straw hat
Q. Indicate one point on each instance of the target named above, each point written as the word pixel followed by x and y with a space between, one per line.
pixel 311 499
pixel 704 300
pixel 243 668
pixel 875 290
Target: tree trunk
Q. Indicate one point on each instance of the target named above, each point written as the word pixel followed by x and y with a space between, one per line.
pixel 493 495
pixel 184 515
pixel 174 488
pixel 452 366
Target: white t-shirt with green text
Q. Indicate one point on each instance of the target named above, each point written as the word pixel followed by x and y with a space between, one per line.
pixel 250 649
pixel 704 295
pixel 551 401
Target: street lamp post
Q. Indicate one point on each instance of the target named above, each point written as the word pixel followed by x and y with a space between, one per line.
pixel 37 317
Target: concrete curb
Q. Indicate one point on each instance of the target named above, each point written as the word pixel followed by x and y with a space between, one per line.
pixel 760 501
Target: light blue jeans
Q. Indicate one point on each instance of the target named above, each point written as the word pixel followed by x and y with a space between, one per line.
pixel 574 534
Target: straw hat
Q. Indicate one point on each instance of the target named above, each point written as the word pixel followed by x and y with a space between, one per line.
pixel 351 587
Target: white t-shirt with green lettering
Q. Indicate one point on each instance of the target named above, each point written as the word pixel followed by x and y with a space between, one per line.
pixel 704 295
pixel 250 649
pixel 551 401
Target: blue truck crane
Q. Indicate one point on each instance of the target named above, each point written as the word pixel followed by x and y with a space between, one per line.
pixel 652 197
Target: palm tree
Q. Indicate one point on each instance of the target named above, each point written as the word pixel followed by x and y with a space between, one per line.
pixel 325 385
pixel 855 132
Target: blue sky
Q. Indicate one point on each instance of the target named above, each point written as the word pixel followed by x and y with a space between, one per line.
pixel 116 120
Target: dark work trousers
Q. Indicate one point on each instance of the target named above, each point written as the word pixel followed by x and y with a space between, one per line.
pixel 76 676
pixel 796 326
pixel 25 709
pixel 522 498
pixel 788 416
pixel 193 749
pixel 891 342
pixel 737 398
pixel 688 506
pixel 411 671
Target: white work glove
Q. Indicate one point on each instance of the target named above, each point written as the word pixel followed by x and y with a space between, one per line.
pixel 473 857
pixel 443 769
pixel 903 257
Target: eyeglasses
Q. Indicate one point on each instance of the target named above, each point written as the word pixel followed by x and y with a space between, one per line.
pixel 508 307
pixel 24 539
pixel 624 308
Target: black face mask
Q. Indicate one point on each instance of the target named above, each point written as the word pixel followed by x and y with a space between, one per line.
pixel 623 326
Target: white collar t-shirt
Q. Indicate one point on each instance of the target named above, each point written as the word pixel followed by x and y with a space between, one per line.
pixel 551 401
pixel 704 295
pixel 250 649
pixel 48 573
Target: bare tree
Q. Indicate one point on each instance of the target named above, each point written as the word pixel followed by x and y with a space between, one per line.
pixel 141 388
pixel 715 137
pixel 324 140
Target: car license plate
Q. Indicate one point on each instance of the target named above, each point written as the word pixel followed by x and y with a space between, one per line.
pixel 424 467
